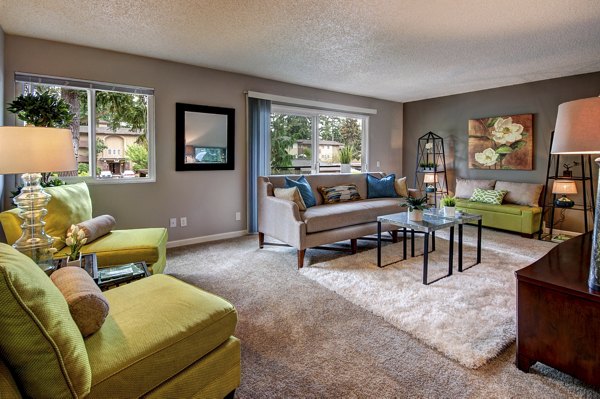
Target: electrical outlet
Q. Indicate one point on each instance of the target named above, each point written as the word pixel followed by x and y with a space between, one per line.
pixel 378 164
pixel 173 222
pixel 183 222
pixel 238 216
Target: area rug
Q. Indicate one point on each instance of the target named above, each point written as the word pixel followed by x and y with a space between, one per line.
pixel 469 316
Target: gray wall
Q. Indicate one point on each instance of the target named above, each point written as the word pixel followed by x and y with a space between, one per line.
pixel 448 117
pixel 208 199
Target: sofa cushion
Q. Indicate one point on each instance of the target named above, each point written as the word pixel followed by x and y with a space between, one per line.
pixel 40 342
pixel 493 197
pixel 333 216
pixel 157 327
pixel 304 188
pixel 401 187
pixel 511 209
pixel 125 246
pixel 70 204
pixel 290 194
pixel 521 193
pixel 344 193
pixel 381 187
pixel 465 187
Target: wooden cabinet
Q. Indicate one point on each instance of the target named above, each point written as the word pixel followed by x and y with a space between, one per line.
pixel 558 318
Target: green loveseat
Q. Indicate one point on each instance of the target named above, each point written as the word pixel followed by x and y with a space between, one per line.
pixel 162 338
pixel 71 204
pixel 519 212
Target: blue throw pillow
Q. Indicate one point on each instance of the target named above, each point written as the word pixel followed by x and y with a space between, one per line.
pixel 305 190
pixel 381 188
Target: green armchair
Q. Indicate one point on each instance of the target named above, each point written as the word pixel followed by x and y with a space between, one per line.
pixel 71 204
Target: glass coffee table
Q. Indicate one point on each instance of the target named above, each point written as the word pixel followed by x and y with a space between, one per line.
pixel 433 220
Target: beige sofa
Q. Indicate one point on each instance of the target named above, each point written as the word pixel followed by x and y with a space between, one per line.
pixel 324 223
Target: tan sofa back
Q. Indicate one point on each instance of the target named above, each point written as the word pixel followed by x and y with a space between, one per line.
pixel 327 180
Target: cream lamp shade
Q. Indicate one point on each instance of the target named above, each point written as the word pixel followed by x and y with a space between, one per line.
pixel 564 187
pixel 577 128
pixel 35 149
pixel 429 178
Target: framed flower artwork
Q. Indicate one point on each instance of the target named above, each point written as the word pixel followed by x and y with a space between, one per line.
pixel 501 142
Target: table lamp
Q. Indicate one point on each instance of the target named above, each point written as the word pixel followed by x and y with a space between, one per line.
pixel 31 150
pixel 564 187
pixel 429 178
pixel 577 131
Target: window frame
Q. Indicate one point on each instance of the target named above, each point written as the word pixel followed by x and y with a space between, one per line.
pixel 314 114
pixel 91 87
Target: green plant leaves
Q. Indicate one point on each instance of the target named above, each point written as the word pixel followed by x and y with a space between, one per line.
pixel 518 145
pixel 42 109
pixel 504 149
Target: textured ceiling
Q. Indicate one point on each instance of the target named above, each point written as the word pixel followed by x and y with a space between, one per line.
pixel 399 50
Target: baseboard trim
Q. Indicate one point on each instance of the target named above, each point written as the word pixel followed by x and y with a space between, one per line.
pixel 213 237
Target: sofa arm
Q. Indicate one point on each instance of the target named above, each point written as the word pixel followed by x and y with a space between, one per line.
pixel 281 220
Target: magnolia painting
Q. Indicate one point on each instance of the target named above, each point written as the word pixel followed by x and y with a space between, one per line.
pixel 501 142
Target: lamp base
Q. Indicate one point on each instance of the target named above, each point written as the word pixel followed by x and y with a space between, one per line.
pixel 564 202
pixel 34 242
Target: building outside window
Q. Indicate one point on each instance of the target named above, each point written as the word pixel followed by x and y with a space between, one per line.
pixel 114 123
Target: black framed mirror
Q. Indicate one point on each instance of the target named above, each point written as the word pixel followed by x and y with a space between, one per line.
pixel 204 137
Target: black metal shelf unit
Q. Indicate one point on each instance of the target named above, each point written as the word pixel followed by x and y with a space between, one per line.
pixel 587 191
pixel 431 158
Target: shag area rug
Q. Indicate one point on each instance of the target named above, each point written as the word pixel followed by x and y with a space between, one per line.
pixel 468 316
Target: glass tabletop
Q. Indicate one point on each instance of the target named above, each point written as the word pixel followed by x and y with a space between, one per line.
pixel 428 224
pixel 459 216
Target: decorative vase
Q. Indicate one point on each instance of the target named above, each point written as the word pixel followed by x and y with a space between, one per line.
pixel 74 262
pixel 415 215
pixel 345 168
pixel 449 211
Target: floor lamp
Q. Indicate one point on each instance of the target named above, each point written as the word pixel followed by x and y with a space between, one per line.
pixel 31 150
pixel 578 132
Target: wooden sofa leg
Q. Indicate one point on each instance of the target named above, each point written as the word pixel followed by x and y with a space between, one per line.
pixel 261 240
pixel 301 253
pixel 526 235
pixel 394 234
pixel 354 245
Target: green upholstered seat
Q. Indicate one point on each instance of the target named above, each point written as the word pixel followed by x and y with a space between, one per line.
pixel 184 325
pixel 71 204
pixel 512 209
pixel 518 218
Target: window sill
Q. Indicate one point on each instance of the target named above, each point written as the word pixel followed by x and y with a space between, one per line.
pixel 92 181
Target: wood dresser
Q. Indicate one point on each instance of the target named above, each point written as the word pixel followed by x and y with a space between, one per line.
pixel 558 318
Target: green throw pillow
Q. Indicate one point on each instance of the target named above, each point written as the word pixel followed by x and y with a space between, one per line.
pixel 40 342
pixel 493 197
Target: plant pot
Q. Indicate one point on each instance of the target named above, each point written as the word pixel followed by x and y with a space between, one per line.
pixel 346 168
pixel 415 215
pixel 449 211
pixel 74 262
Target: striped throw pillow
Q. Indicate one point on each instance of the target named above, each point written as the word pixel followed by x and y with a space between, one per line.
pixel 493 197
pixel 344 193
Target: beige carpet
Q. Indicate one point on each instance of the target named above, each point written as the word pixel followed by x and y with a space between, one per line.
pixel 302 340
pixel 469 316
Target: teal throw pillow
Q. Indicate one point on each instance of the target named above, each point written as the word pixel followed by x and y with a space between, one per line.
pixel 493 197
pixel 381 188
pixel 304 188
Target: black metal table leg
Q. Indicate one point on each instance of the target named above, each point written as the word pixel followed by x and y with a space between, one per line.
pixel 479 241
pixel 404 243
pixel 412 243
pixel 432 241
pixel 460 247
pixel 378 243
pixel 451 251
pixel 425 257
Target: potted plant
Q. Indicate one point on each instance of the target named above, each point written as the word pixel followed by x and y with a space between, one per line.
pixel 427 166
pixel 416 206
pixel 75 240
pixel 449 204
pixel 346 155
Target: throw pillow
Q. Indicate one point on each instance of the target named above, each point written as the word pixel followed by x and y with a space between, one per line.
pixel 97 227
pixel 40 342
pixel 465 187
pixel 521 193
pixel 381 188
pixel 343 193
pixel 70 204
pixel 401 187
pixel 304 188
pixel 290 194
pixel 87 304
pixel 493 197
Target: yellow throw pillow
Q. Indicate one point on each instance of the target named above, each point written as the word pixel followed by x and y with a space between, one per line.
pixel 70 204
pixel 291 194
pixel 39 342
pixel 88 306
pixel 401 187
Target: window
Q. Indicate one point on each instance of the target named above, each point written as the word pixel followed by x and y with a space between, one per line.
pixel 113 128
pixel 305 141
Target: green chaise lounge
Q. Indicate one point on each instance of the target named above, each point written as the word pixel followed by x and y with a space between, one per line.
pixel 71 204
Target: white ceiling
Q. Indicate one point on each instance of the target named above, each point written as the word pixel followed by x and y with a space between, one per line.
pixel 401 50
